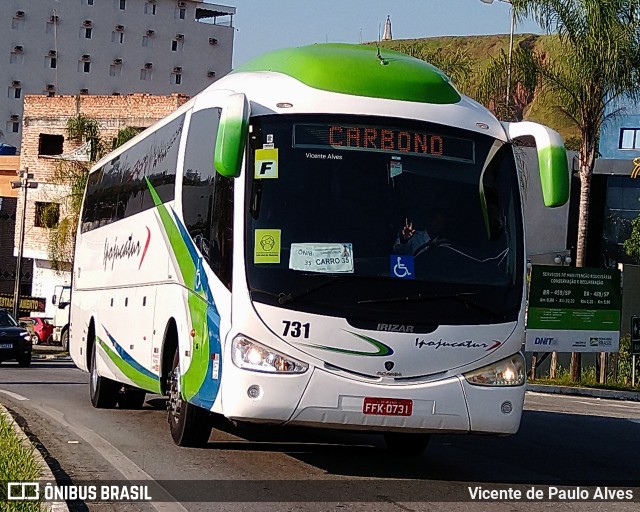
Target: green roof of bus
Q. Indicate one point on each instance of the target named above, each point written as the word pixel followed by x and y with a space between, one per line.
pixel 357 70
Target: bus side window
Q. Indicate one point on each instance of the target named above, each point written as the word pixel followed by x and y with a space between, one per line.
pixel 207 197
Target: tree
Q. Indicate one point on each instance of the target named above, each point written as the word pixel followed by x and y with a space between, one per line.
pixel 598 64
pixel 457 65
pixel 524 79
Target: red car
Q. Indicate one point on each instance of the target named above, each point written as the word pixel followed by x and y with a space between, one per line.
pixel 42 330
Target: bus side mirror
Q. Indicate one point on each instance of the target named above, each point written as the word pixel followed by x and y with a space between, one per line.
pixel 552 159
pixel 232 135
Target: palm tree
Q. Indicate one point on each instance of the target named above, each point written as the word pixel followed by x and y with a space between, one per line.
pixel 598 65
pixel 524 79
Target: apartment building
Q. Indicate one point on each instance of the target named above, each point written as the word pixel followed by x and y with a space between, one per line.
pixel 108 47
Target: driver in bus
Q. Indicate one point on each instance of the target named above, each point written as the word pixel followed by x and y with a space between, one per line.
pixel 412 242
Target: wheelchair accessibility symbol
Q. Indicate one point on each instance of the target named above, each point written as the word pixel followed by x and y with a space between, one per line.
pixel 402 267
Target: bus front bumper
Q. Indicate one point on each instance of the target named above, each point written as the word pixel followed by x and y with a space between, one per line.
pixel 328 400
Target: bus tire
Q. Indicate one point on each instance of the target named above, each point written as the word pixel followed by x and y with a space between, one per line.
pixel 131 398
pixel 189 424
pixel 406 445
pixel 64 339
pixel 103 391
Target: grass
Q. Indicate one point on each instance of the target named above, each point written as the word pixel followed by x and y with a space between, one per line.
pixel 588 379
pixel 481 50
pixel 17 463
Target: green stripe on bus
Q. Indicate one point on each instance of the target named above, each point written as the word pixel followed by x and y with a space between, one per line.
pixel 140 380
pixel 192 379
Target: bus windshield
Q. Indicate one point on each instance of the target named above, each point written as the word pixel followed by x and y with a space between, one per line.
pixel 383 220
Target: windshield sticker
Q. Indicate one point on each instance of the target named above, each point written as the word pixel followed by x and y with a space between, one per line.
pixel 266 164
pixel 402 267
pixel 267 246
pixel 395 167
pixel 327 258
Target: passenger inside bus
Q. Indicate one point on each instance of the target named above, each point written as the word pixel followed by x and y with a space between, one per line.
pixel 411 241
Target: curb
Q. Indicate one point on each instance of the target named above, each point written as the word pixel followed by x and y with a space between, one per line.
pixel 64 355
pixel 46 475
pixel 592 392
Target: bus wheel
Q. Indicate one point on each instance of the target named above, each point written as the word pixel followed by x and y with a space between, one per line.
pixel 189 424
pixel 131 398
pixel 103 391
pixel 407 445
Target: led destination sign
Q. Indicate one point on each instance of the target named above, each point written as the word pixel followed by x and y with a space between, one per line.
pixel 382 139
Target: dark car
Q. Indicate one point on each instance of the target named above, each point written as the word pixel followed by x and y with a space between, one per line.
pixel 15 340
pixel 42 330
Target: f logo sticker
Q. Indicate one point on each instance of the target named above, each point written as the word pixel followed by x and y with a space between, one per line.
pixel 266 166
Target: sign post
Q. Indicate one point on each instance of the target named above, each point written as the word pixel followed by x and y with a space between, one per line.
pixel 635 346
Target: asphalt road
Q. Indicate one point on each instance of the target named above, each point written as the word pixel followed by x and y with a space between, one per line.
pixel 563 441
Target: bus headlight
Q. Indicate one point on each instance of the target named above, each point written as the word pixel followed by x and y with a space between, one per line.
pixel 508 372
pixel 250 355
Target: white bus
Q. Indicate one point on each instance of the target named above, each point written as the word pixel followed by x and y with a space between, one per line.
pixel 329 236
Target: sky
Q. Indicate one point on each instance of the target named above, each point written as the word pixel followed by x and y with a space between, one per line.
pixel 265 25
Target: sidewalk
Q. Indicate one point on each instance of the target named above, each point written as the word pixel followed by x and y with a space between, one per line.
pixel 48 352
pixel 580 391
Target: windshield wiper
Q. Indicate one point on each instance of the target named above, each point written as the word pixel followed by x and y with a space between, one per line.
pixel 462 297
pixel 286 298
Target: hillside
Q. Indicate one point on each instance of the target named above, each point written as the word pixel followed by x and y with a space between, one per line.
pixel 480 50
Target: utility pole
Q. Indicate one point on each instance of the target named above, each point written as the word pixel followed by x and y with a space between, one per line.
pixel 24 184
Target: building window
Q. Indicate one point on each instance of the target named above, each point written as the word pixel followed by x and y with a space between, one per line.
pixel 117 37
pixel 88 2
pixel 17 24
pixel 13 126
pixel 84 66
pixel 16 58
pixel 49 27
pixel 88 32
pixel 115 70
pixel 150 8
pixel 47 215
pixel 630 138
pixel 49 144
pixel 15 92
pixel 145 74
pixel 176 78
pixel 122 4
pixel 147 41
pixel 53 62
pixel 177 45
pixel 180 13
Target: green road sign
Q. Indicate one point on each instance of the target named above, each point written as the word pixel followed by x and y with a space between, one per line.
pixel 574 310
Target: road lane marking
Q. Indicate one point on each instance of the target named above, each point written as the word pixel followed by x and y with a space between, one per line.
pixel 129 469
pixel 630 406
pixel 15 396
